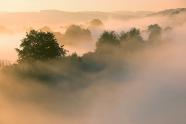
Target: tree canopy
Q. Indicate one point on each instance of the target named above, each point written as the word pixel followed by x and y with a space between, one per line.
pixel 38 45
pixel 155 33
pixel 75 34
pixel 109 38
pixel 96 22
pixel 132 35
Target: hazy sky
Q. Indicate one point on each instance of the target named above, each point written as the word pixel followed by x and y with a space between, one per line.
pixel 79 5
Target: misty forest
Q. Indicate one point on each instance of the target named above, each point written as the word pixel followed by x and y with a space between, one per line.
pixel 93 67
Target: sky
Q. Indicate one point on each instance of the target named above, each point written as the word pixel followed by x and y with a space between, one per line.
pixel 90 5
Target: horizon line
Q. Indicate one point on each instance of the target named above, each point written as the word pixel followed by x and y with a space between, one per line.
pixel 25 11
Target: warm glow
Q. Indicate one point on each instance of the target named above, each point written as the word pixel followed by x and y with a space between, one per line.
pixel 83 5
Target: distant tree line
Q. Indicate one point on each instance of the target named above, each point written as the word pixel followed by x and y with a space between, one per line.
pixel 39 45
pixel 42 57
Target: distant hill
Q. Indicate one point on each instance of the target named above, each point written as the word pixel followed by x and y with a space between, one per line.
pixel 57 18
pixel 170 12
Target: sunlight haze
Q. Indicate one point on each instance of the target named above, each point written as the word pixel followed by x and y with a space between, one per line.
pixel 89 5
pixel 92 61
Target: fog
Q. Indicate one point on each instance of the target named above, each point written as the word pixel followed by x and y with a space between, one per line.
pixel 8 44
pixel 151 90
pixel 14 26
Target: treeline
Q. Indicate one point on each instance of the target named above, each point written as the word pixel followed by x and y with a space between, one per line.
pixel 43 59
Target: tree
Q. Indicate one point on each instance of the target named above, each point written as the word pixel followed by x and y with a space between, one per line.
pixel 155 33
pixel 108 38
pixel 76 34
pixel 38 45
pixel 131 40
pixel 132 35
pixel 107 43
pixel 96 23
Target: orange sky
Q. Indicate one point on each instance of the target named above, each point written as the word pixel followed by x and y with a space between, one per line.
pixel 83 5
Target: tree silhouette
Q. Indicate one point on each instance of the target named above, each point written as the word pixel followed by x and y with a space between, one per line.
pixel 132 35
pixel 108 38
pixel 96 23
pixel 131 40
pixel 76 34
pixel 155 33
pixel 38 45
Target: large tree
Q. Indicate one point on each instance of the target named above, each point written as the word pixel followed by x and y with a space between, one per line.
pixel 38 45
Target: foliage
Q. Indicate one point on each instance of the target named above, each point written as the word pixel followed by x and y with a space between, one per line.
pixel 155 33
pixel 75 33
pixel 112 55
pixel 132 35
pixel 131 40
pixel 96 22
pixel 108 38
pixel 38 45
